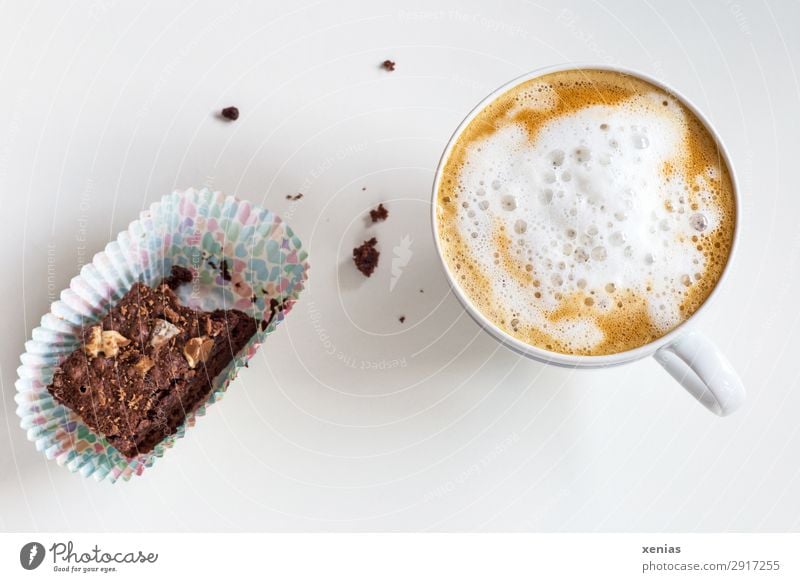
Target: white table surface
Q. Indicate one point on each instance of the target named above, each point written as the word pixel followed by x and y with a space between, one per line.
pixel 107 105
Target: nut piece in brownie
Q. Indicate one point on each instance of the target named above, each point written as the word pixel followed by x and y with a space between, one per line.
pixel 146 365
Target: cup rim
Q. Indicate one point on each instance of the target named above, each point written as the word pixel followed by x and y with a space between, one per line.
pixel 557 358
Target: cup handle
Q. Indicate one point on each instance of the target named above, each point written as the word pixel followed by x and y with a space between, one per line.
pixel 695 362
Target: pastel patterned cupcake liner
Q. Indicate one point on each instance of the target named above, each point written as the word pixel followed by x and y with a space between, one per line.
pixel 264 272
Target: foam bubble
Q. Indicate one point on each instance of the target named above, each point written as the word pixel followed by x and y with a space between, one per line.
pixel 599 254
pixel 508 203
pixel 640 141
pixel 698 222
pixel 556 157
pixel 617 238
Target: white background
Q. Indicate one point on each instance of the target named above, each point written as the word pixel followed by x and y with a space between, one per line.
pixel 106 106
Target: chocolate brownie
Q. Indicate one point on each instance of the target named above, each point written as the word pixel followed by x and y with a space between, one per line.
pixel 147 364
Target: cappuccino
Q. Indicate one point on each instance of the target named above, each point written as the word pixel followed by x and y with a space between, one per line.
pixel 586 212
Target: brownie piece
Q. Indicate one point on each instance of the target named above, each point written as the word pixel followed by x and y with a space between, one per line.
pixel 147 364
pixel 224 270
pixel 378 214
pixel 177 277
pixel 366 256
pixel 231 113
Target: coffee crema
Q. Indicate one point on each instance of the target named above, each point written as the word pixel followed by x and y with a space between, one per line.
pixel 586 212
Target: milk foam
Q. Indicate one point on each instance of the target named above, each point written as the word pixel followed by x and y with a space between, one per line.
pixel 594 207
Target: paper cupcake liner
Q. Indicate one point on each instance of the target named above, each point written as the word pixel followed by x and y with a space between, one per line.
pixel 193 229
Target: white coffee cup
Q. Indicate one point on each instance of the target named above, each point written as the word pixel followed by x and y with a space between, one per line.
pixel 688 355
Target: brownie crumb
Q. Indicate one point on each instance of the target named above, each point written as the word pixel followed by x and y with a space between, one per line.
pixel 402 319
pixel 223 268
pixel 177 277
pixel 274 307
pixel 388 65
pixel 366 256
pixel 297 196
pixel 380 213
pixel 231 113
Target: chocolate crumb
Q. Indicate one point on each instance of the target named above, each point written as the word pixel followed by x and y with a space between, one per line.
pixel 422 290
pixel 366 256
pixel 402 319
pixel 296 197
pixel 388 65
pixel 177 277
pixel 253 299
pixel 223 268
pixel 380 213
pixel 274 307
pixel 231 113
pixel 363 189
